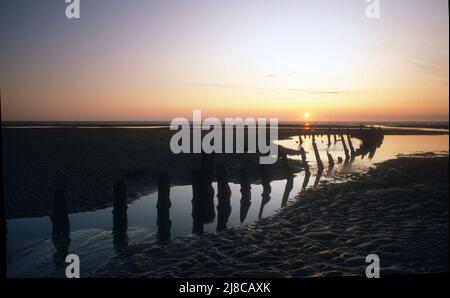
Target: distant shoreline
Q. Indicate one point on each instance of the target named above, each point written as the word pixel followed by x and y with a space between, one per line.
pixel 286 128
pixel 317 124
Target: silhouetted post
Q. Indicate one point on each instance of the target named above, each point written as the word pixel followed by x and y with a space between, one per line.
pixel 223 197
pixel 286 169
pixel 60 217
pixel 330 160
pixel 318 176
pixel 318 159
pixel 245 194
pixel 352 149
pixel 120 217
pixel 60 227
pixel 305 182
pixel 197 227
pixel 287 190
pixel 163 205
pixel 347 156
pixel 266 190
pixel 335 139
pixel 300 141
pixel 207 166
pixel 329 137
pixel 304 161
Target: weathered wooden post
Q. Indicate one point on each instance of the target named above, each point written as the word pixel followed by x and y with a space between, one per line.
pixel 120 218
pixel 352 149
pixel 287 190
pixel 318 159
pixel 266 190
pixel 60 217
pixel 305 181
pixel 318 176
pixel 330 160
pixel 163 206
pixel 347 156
pixel 60 227
pixel 207 167
pixel 197 227
pixel 245 194
pixel 329 136
pixel 223 197
pixel 304 161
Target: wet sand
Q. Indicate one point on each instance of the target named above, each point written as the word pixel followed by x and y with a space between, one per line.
pixel 398 210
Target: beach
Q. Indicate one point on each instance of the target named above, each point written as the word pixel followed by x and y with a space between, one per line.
pixel 397 210
pixel 388 198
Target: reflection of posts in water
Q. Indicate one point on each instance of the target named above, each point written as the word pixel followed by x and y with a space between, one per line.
pixel 318 176
pixel 197 227
pixel 330 161
pixel 60 217
pixel 266 190
pixel 60 227
pixel 246 194
pixel 304 161
pixel 352 149
pixel 207 167
pixel 286 169
pixel 61 243
pixel 318 159
pixel 223 197
pixel 163 206
pixel 347 156
pixel 287 190
pixel 120 219
pixel 289 179
pixel 300 141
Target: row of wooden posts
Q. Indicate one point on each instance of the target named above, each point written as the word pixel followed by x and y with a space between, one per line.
pixel 203 211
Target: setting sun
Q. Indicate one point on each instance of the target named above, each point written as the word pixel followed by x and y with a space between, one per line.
pixel 307 115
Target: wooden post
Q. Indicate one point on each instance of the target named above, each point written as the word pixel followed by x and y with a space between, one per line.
pixel 245 194
pixel 197 227
pixel 266 190
pixel 318 159
pixel 330 160
pixel 60 227
pixel 347 157
pixel 163 206
pixel 352 149
pixel 304 161
pixel 60 217
pixel 120 219
pixel 223 197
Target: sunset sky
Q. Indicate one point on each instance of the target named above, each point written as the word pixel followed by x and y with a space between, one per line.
pixel 157 60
